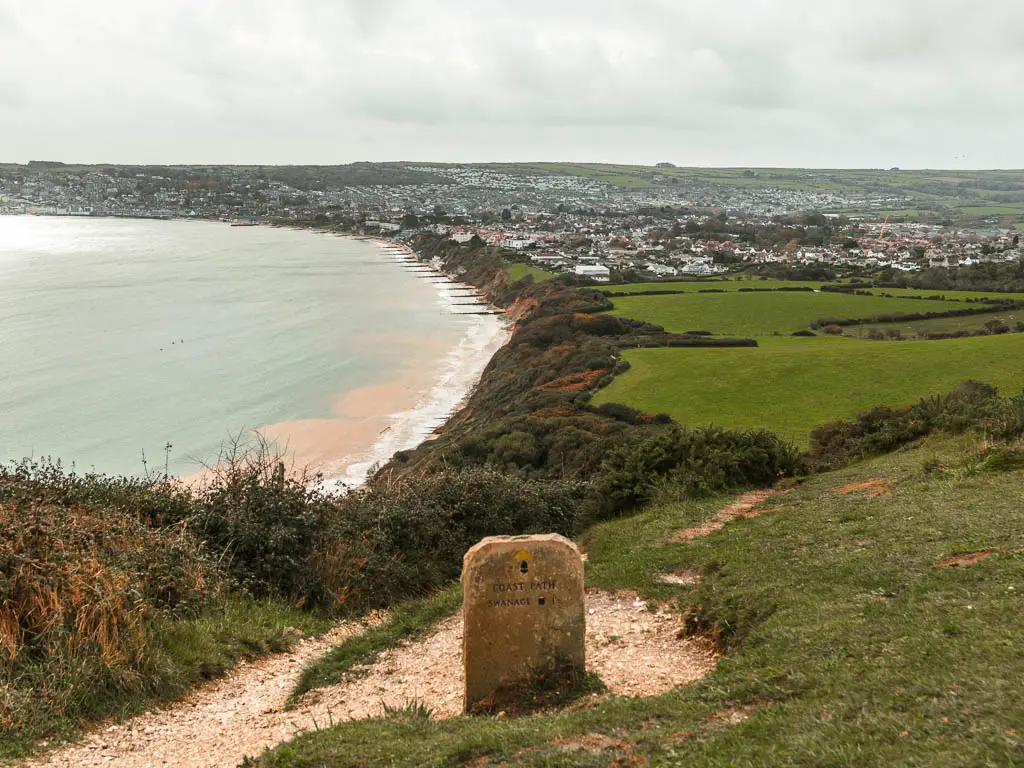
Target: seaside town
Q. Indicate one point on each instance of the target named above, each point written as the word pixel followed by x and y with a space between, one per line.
pixel 559 221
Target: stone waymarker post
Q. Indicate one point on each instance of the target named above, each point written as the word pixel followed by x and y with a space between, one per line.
pixel 523 615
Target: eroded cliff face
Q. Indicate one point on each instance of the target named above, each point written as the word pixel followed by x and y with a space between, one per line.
pixel 522 309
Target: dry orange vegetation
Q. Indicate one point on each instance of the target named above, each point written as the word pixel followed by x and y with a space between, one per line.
pixel 556 354
pixel 62 591
pixel 574 382
pixel 556 412
pixel 870 488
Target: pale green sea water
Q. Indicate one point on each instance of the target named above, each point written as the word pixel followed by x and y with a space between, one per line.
pixel 119 336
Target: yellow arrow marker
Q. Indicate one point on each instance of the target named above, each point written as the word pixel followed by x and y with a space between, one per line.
pixel 522 554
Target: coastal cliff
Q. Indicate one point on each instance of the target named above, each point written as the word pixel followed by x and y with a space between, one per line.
pixel 530 414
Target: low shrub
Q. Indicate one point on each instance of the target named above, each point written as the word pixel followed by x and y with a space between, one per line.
pixel 80 588
pixel 688 463
pixel 409 539
pixel 996 327
pixel 909 317
pixel 617 411
pixel 1006 422
pixel 884 429
pixel 268 526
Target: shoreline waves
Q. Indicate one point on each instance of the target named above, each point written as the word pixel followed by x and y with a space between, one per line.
pixel 371 424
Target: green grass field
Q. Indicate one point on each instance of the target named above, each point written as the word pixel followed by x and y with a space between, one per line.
pixel 692 286
pixel 939 324
pixel 791 385
pixel 519 271
pixel 760 314
pixel 695 286
pixel 993 210
pixel 847 645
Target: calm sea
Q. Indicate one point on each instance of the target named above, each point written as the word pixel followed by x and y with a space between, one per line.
pixel 118 337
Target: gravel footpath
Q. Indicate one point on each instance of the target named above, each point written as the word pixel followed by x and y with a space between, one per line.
pixel 634 650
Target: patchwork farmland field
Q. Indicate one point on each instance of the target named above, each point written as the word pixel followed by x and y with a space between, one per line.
pixel 761 314
pixel 759 286
pixel 791 385
pixel 920 328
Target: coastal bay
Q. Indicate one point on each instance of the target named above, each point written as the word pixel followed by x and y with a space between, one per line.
pixel 119 337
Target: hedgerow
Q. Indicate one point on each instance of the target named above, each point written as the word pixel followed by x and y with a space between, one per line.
pixel 880 430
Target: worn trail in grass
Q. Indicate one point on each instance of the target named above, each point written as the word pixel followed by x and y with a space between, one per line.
pixel 214 726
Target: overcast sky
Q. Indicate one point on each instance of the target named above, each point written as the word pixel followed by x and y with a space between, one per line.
pixel 822 83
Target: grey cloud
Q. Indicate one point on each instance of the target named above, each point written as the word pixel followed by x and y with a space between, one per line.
pixel 770 82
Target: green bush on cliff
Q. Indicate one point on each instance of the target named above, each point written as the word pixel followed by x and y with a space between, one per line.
pixel 409 539
pixel 689 463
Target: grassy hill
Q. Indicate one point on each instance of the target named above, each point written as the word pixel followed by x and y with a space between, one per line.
pixel 518 271
pixel 848 639
pixel 935 194
pixel 845 641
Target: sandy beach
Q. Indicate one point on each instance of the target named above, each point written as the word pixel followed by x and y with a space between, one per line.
pixel 368 425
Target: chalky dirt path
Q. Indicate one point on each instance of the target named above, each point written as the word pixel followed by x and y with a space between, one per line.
pixel 745 505
pixel 636 651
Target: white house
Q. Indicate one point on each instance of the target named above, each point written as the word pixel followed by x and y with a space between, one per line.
pixel 662 270
pixel 594 271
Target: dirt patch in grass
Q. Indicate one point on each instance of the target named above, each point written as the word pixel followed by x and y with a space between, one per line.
pixel 871 489
pixel 731 716
pixel 965 559
pixel 687 577
pixel 746 505
pixel 594 743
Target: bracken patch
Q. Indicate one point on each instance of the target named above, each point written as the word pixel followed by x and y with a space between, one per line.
pixel 594 743
pixel 574 382
pixel 555 412
pixel 871 489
